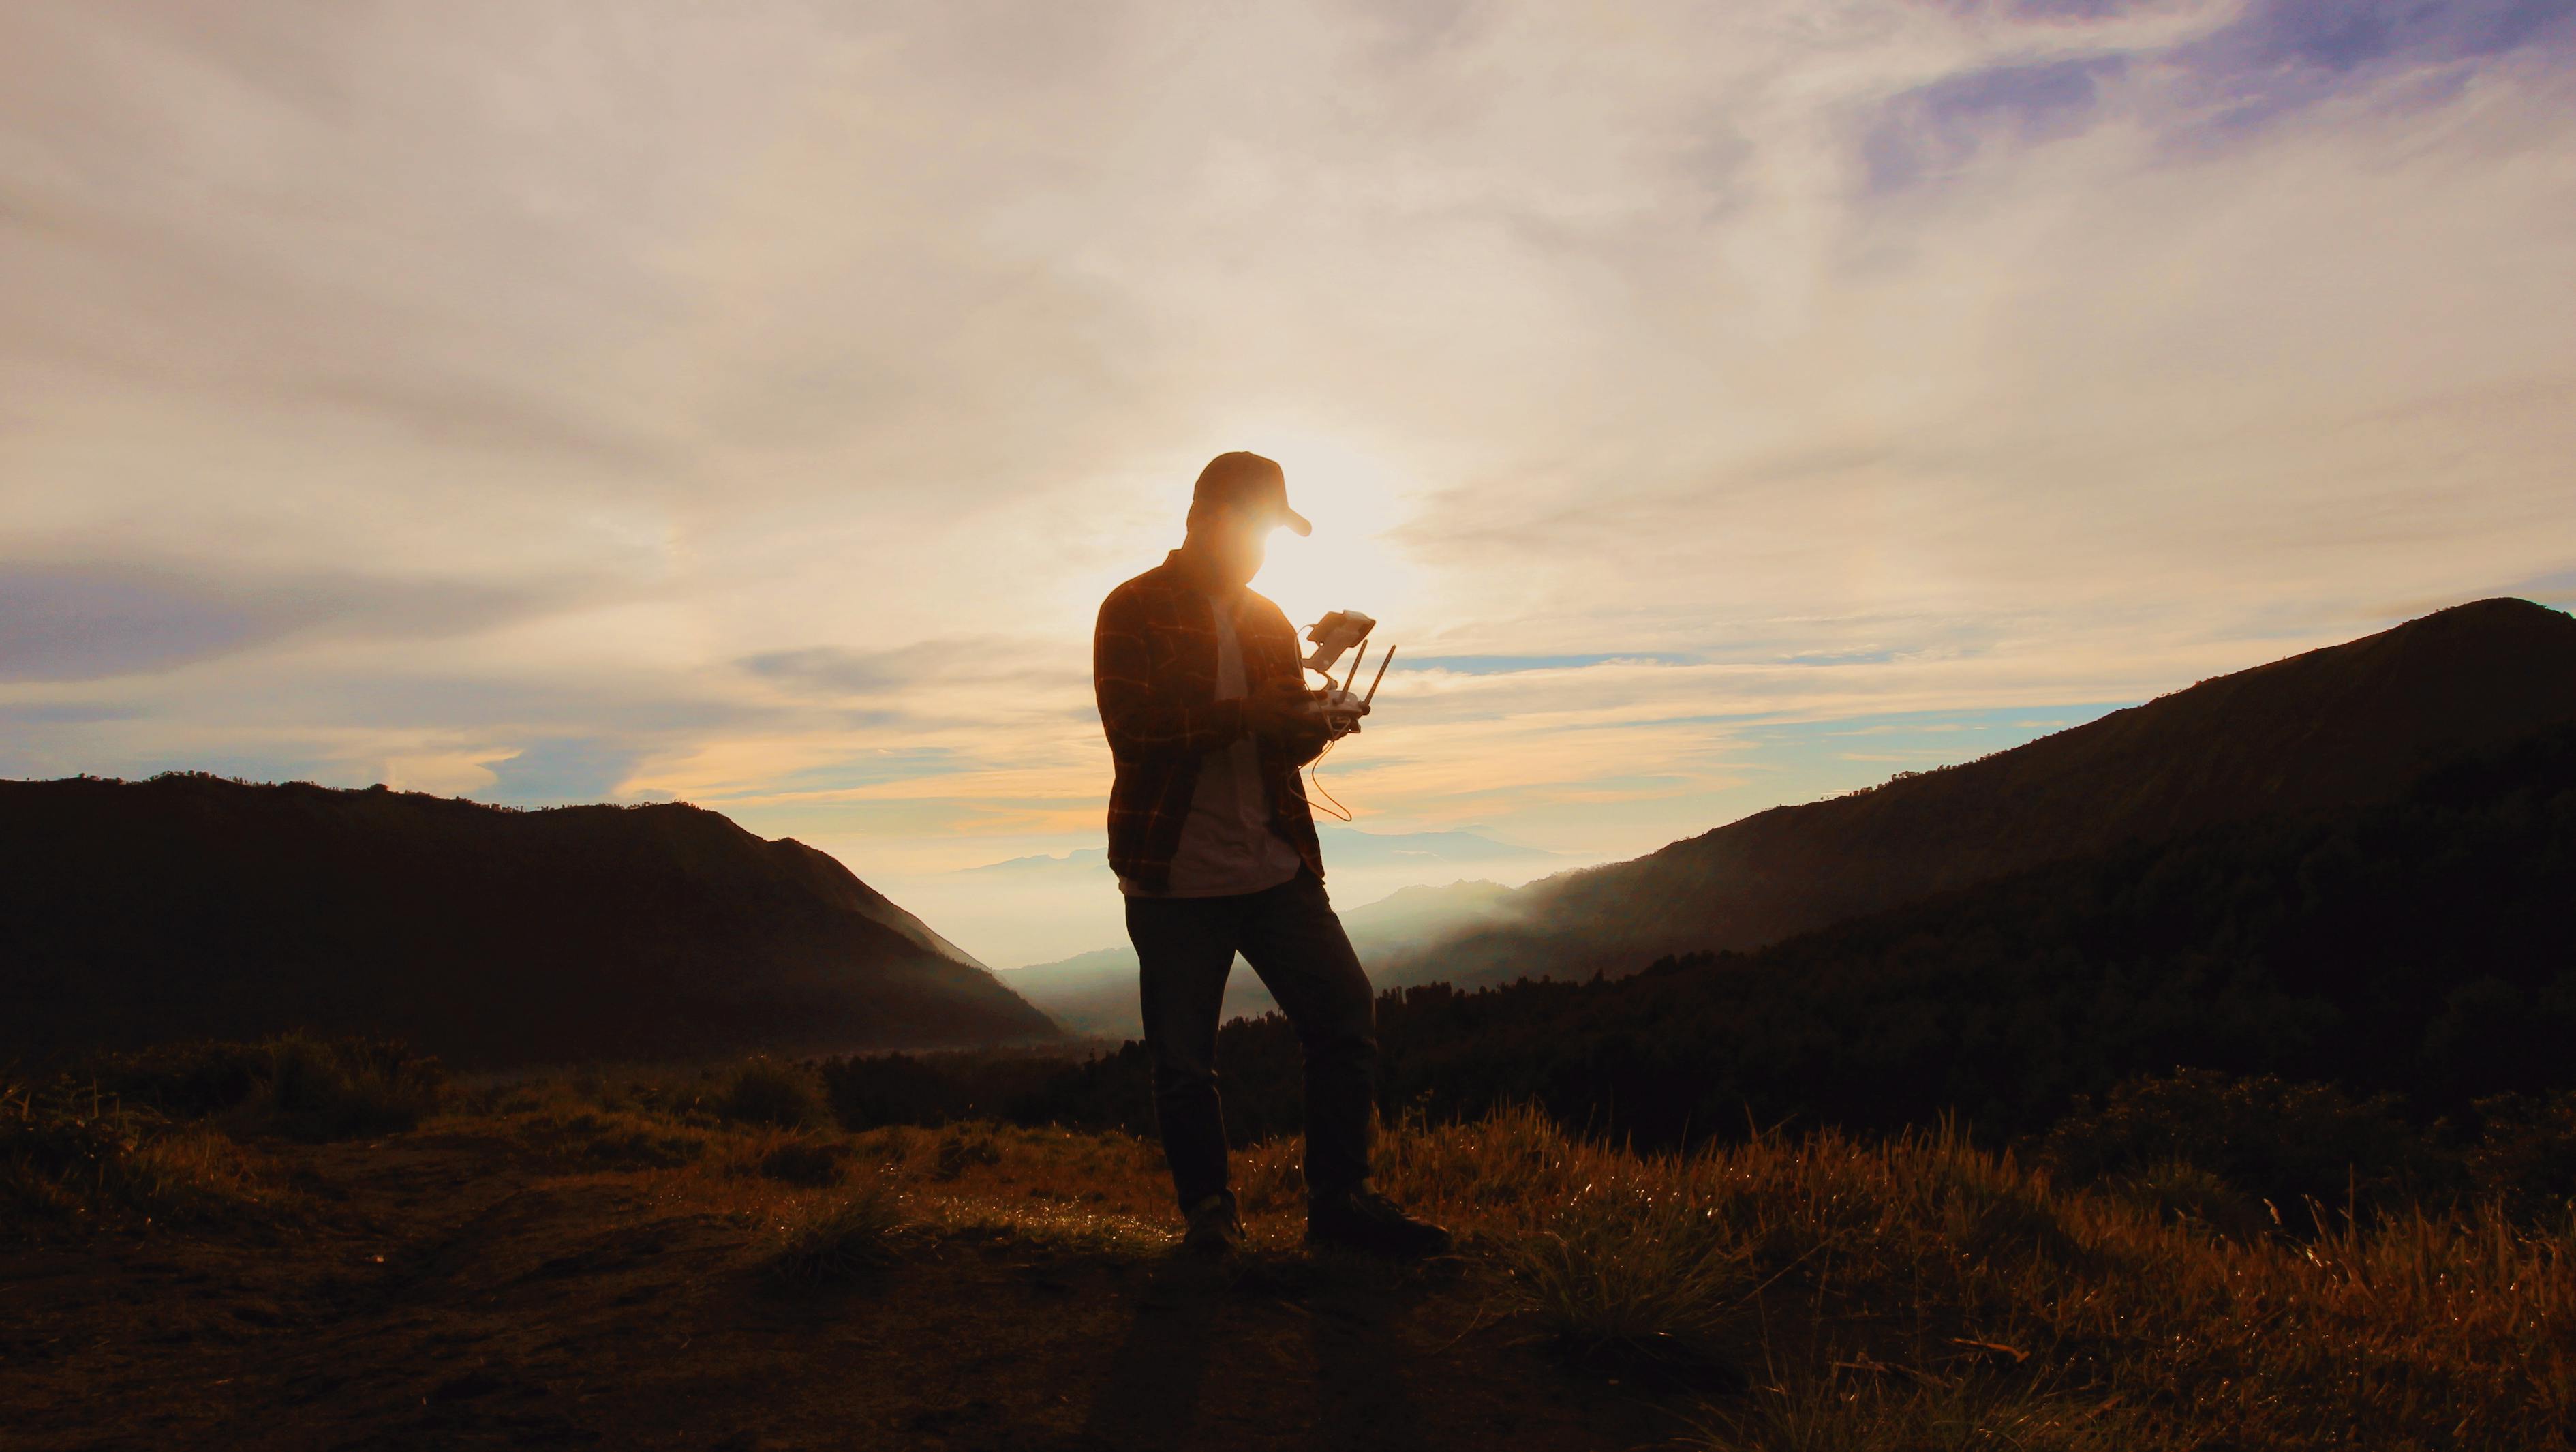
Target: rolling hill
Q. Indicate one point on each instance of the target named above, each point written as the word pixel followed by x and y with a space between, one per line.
pixel 2345 726
pixel 189 905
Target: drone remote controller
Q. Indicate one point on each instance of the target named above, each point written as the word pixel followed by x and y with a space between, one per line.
pixel 1336 705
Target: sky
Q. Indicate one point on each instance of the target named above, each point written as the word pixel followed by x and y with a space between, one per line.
pixel 1719 405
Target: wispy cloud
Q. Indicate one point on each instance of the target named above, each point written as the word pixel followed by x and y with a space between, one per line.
pixel 74 620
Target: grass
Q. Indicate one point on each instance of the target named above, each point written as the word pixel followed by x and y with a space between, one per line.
pixel 1816 1291
pixel 157 1136
pixel 73 1156
pixel 832 1242
pixel 1921 1283
pixel 1858 1407
pixel 1653 1283
pixel 299 1085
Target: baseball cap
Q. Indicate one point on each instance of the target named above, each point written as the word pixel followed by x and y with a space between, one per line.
pixel 1242 480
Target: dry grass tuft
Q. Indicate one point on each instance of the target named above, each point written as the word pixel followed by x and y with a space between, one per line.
pixel 962 1146
pixel 1650 1279
pixel 832 1242
pixel 71 1157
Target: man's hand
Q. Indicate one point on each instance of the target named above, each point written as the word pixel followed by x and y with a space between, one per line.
pixel 1279 712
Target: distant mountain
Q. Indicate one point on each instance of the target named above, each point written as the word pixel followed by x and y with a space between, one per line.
pixel 1414 916
pixel 1039 909
pixel 2346 726
pixel 189 905
pixel 1095 993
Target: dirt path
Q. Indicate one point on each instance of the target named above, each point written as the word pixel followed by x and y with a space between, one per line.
pixel 444 1294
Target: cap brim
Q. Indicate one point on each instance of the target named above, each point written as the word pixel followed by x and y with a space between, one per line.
pixel 1295 521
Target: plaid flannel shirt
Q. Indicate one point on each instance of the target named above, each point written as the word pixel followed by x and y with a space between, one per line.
pixel 1153 668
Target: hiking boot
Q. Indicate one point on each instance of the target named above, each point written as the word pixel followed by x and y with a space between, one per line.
pixel 1213 1231
pixel 1363 1219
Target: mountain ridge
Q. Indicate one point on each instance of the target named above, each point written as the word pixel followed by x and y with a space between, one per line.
pixel 2341 725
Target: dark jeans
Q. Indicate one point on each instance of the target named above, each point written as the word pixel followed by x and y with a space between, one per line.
pixel 1290 936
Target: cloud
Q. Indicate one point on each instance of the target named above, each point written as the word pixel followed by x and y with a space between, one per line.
pixel 838 670
pixel 88 621
pixel 1934 128
pixel 2262 63
pixel 76 625
pixel 2072 9
pixel 1485 665
pixel 2343 36
pixel 553 773
pixel 66 713
pixel 852 773
pixel 2280 56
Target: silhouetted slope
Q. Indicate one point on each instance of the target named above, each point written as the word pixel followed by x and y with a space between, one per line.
pixel 187 905
pixel 2343 726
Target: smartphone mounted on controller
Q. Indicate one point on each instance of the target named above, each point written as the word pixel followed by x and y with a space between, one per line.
pixel 1336 706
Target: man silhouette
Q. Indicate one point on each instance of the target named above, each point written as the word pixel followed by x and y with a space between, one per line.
pixel 1203 696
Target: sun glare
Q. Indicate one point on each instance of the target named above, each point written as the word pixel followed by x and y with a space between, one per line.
pixel 1355 501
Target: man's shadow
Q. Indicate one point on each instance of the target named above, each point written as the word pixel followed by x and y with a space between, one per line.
pixel 1364 1363
pixel 1151 1400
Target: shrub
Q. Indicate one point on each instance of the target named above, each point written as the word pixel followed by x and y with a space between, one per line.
pixel 183 1080
pixel 301 1085
pixel 883 1089
pixel 2290 1144
pixel 2178 1192
pixel 806 1162
pixel 1020 1085
pixel 322 1089
pixel 763 1090
pixel 2527 1154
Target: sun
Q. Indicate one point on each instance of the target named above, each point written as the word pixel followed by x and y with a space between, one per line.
pixel 1356 501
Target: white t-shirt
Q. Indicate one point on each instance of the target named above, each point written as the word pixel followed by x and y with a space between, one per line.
pixel 1227 846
